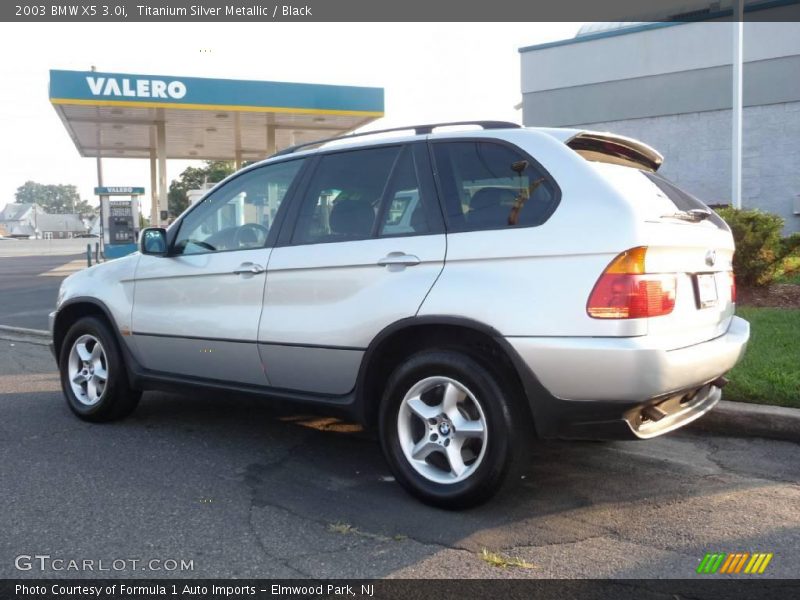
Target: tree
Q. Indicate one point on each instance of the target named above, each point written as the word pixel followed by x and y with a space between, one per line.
pixel 56 199
pixel 194 178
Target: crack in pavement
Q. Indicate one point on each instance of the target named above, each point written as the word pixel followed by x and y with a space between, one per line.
pixel 361 533
pixel 262 546
pixel 730 469
pixel 252 480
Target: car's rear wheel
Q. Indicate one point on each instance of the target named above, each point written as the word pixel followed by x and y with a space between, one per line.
pixel 93 375
pixel 445 425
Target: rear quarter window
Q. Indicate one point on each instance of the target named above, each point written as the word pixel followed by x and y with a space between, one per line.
pixel 489 185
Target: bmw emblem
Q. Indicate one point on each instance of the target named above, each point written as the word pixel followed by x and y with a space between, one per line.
pixel 711 258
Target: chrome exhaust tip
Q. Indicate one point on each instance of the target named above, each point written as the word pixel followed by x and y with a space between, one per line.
pixel 720 382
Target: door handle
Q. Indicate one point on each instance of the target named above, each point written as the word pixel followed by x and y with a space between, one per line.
pixel 399 258
pixel 249 268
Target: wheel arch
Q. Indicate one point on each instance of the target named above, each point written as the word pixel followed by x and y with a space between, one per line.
pixel 77 308
pixel 407 336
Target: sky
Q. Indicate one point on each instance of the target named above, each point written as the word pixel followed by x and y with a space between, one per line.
pixel 430 72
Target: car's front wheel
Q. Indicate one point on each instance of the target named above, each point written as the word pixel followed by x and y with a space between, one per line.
pixel 445 425
pixel 93 375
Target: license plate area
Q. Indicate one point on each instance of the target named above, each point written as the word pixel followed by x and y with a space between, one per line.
pixel 705 290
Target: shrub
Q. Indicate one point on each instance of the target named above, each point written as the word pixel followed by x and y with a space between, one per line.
pixel 760 247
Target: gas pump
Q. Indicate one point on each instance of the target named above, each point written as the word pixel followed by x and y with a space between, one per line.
pixel 119 219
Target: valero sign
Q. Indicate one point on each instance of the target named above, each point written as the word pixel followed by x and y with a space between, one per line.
pixel 135 88
pixel 119 191
pixel 90 88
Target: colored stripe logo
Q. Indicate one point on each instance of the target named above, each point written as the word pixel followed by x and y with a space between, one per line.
pixel 734 563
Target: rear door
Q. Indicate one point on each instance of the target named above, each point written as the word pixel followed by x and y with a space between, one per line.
pixel 196 311
pixel 366 245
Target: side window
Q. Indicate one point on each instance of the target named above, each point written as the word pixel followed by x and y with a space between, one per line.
pixel 404 212
pixel 344 195
pixel 239 215
pixel 487 185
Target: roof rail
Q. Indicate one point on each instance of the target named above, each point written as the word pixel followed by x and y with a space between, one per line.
pixel 418 130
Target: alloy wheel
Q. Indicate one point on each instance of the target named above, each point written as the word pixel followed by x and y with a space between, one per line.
pixel 442 430
pixel 87 370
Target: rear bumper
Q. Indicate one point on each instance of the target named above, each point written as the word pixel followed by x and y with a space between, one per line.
pixel 569 419
pixel 616 388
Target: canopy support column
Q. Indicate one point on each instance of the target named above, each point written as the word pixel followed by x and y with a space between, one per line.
pixel 153 189
pixel 161 157
pixel 271 148
pixel 99 170
pixel 238 141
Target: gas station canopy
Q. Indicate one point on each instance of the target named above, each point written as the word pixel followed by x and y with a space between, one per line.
pixel 114 115
pixel 118 115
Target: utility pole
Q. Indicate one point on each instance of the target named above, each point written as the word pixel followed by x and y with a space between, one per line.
pixel 736 105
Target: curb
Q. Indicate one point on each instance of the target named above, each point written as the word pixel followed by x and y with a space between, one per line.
pixel 24 331
pixel 23 334
pixel 740 419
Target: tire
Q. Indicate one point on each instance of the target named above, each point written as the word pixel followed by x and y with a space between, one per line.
pixel 425 385
pixel 88 354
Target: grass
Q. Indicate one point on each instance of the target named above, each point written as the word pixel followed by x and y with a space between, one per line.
pixel 343 528
pixel 347 529
pixel 769 373
pixel 503 562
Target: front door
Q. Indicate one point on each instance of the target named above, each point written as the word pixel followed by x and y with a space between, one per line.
pixel 196 311
pixel 366 248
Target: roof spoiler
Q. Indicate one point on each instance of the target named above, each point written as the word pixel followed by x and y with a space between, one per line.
pixel 615 149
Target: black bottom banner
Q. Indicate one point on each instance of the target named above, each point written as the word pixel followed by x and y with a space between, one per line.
pixel 406 589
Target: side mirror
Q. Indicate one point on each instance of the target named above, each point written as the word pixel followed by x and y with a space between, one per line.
pixel 153 240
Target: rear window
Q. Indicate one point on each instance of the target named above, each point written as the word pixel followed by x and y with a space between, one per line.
pixel 654 194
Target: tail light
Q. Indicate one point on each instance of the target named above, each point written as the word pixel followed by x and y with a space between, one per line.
pixel 733 286
pixel 626 291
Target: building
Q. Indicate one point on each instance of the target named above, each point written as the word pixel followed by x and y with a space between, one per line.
pixel 19 219
pixel 30 220
pixel 60 226
pixel 669 84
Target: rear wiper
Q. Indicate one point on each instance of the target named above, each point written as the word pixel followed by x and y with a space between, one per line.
pixel 694 215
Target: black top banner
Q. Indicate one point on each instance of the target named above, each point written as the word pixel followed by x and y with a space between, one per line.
pixel 407 10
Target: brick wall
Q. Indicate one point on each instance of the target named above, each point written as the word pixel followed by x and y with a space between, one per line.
pixel 697 154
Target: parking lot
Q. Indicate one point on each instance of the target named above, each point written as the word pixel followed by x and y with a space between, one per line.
pixel 237 489
pixel 30 273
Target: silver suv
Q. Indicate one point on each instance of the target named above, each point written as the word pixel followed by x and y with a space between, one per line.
pixel 460 290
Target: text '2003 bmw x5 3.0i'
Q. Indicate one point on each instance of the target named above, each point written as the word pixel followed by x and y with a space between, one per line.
pixel 460 290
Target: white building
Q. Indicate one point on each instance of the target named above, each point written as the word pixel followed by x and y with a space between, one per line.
pixel 19 219
pixel 30 220
pixel 669 84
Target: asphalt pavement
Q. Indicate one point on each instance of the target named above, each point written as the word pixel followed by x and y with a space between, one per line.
pixel 239 489
pixel 29 286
